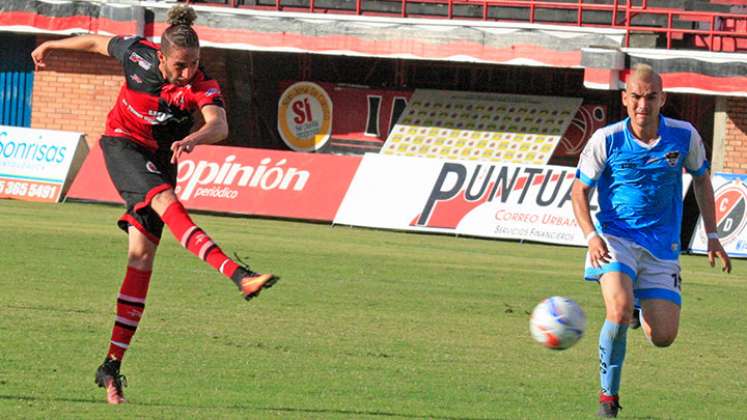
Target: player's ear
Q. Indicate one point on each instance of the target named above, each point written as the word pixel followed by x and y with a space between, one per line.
pixel 161 57
pixel 663 98
pixel 624 97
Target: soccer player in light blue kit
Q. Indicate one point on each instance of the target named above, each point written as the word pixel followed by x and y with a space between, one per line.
pixel 634 248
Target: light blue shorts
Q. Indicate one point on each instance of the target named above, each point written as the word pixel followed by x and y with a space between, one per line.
pixel 653 278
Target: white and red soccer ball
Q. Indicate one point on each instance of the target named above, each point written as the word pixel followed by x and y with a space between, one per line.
pixel 557 323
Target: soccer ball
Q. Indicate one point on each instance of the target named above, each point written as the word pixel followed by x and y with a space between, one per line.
pixel 557 323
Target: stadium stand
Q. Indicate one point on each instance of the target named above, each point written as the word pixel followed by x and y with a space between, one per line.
pixel 712 25
pixel 484 127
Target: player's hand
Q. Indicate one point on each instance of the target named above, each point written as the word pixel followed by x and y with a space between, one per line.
pixel 715 249
pixel 38 55
pixel 598 252
pixel 182 146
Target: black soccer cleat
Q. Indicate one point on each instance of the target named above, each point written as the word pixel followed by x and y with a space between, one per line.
pixel 108 377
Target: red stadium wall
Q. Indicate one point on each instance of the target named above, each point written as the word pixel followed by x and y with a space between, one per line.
pixel 75 91
pixel 735 141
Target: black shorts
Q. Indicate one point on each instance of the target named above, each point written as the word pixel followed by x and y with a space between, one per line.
pixel 138 174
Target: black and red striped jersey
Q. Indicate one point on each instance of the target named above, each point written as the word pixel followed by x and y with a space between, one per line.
pixel 150 110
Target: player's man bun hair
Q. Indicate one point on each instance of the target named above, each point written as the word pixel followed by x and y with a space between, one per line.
pixel 180 33
pixel 181 15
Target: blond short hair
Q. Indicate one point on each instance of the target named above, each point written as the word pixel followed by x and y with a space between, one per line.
pixel 643 71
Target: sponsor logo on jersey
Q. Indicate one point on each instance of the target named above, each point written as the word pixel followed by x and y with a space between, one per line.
pixel 151 167
pixel 178 98
pixel 135 78
pixel 671 157
pixel 212 92
pixel 143 63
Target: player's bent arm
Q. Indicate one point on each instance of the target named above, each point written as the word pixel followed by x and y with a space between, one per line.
pixel 215 128
pixel 87 43
pixel 580 199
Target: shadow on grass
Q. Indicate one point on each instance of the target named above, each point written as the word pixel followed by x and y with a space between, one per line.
pixel 249 407
pixel 49 309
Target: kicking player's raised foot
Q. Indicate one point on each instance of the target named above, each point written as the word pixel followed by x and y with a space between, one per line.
pixel 109 378
pixel 608 406
pixel 251 283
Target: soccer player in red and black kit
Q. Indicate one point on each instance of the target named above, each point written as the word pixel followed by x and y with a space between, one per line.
pixel 147 131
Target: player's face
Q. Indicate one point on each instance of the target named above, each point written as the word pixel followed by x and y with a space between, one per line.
pixel 180 66
pixel 643 99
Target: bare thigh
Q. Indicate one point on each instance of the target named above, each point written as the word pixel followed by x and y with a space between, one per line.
pixel 661 320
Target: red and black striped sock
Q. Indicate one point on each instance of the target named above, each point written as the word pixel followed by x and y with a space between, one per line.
pixel 130 306
pixel 196 240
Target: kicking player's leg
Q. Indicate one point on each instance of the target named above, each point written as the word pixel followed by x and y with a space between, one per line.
pixel 130 306
pixel 194 239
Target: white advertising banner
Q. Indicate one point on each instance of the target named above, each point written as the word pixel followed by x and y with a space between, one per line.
pixel 525 202
pixel 730 191
pixel 36 165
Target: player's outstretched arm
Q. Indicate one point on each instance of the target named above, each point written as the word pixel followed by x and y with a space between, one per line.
pixel 88 43
pixel 706 202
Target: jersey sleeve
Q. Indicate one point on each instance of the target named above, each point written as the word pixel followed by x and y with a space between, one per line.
pixel 593 159
pixel 119 45
pixel 695 162
pixel 207 92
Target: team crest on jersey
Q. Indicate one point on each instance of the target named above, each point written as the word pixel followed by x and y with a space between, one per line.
pixel 151 167
pixel 672 158
pixel 143 63
pixel 211 92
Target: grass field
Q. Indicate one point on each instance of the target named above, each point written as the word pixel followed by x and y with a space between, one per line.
pixel 364 324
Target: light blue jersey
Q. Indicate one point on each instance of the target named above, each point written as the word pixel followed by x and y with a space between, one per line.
pixel 640 185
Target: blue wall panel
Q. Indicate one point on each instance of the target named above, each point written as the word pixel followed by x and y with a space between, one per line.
pixel 16 79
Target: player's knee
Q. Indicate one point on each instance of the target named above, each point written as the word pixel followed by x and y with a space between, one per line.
pixel 663 339
pixel 161 201
pixel 141 258
pixel 620 314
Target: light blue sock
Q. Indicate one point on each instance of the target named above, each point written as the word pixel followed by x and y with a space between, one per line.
pixel 612 343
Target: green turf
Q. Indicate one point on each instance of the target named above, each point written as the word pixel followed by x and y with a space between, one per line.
pixel 364 324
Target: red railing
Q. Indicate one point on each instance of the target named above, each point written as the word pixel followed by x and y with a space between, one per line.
pixel 722 31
